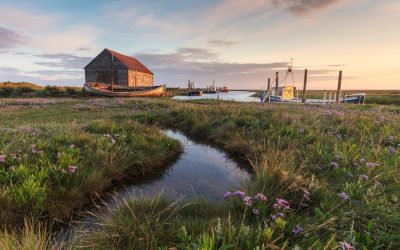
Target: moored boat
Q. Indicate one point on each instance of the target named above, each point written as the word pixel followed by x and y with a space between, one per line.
pixel 123 91
pixel 224 89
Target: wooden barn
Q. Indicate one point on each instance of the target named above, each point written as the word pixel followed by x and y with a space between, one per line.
pixel 112 67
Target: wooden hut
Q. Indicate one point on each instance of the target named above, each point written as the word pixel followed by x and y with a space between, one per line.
pixel 113 67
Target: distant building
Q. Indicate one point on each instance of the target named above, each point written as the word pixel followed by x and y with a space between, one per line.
pixel 120 69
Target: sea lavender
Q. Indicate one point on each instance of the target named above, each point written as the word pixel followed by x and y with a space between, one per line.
pixel 2 158
pixel 72 169
pixel 372 164
pixel 256 211
pixel 334 164
pixel 364 177
pixel 346 246
pixel 281 203
pixel 228 195
pixel 247 200
pixel 392 150
pixel 260 197
pixel 343 196
pixel 239 193
pixel 277 215
pixel 297 230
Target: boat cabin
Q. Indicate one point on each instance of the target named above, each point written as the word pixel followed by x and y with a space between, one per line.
pixel 111 67
pixel 286 92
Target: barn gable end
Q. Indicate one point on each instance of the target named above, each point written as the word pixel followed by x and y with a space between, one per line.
pixel 120 69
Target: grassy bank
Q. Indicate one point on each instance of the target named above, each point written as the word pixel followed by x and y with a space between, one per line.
pixel 326 176
pixel 24 89
pixel 56 156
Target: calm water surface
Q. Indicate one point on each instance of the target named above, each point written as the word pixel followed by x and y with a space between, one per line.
pixel 239 96
pixel 201 171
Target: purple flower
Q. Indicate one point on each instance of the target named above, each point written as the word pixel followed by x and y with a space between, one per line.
pixel 71 146
pixel 247 200
pixel 371 164
pixel 277 215
pixel 364 177
pixel 239 193
pixel 256 211
pixel 33 146
pixel 72 169
pixel 2 158
pixel 343 196
pixel 334 164
pixel 281 203
pixel 297 230
pixel 392 150
pixel 260 197
pixel 228 195
pixel 346 246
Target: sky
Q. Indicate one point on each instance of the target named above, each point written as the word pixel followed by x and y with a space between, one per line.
pixel 237 43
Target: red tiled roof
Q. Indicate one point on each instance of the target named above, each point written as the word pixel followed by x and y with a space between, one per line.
pixel 130 62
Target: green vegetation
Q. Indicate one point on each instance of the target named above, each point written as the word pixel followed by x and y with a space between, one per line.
pixel 52 163
pixel 330 174
pixel 24 89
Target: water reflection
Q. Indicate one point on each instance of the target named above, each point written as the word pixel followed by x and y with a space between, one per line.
pixel 239 96
pixel 201 171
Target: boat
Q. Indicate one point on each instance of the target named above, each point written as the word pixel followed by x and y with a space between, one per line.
pixel 224 89
pixel 123 91
pixel 194 92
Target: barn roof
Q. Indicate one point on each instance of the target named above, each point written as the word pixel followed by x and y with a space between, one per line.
pixel 129 62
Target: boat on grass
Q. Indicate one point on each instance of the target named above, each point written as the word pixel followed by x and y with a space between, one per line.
pixel 104 89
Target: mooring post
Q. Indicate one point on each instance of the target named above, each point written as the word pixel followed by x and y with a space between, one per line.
pixel 304 86
pixel 324 96
pixel 269 89
pixel 276 86
pixel 339 87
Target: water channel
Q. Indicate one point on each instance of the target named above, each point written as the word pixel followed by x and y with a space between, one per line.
pixel 200 172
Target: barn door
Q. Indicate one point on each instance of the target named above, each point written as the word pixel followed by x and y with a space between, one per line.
pixel 115 77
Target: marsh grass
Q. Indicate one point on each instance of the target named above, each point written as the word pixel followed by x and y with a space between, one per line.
pixel 336 166
pixel 52 169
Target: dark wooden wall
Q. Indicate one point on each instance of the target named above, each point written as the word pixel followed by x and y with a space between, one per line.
pixel 101 70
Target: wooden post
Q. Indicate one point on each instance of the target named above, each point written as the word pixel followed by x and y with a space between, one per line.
pixel 112 73
pixel 339 87
pixel 269 89
pixel 304 86
pixel 324 96
pixel 276 86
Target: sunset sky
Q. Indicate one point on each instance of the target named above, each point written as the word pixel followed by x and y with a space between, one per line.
pixel 239 43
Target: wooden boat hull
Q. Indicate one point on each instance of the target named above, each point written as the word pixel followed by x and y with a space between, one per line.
pixel 151 92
